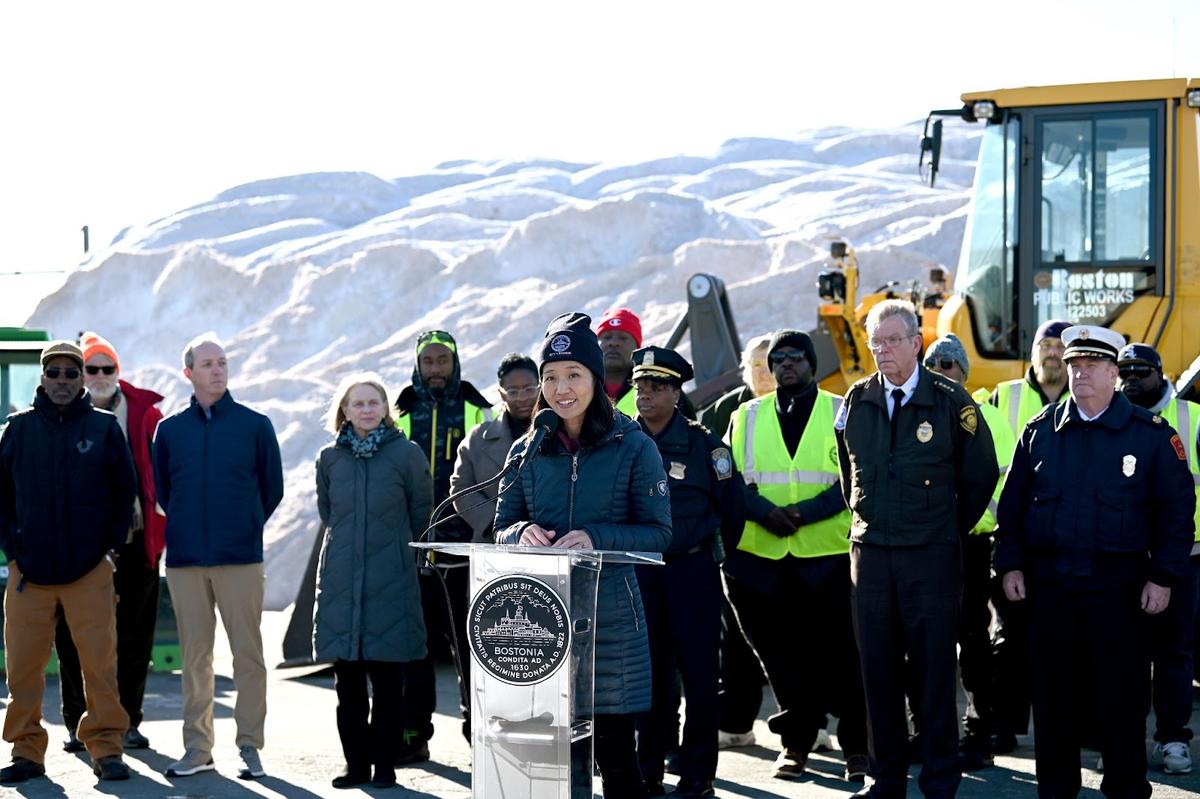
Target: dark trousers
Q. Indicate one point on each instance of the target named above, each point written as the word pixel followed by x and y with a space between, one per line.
pixel 136 584
pixel 742 679
pixel 813 593
pixel 1173 640
pixel 370 728
pixel 682 601
pixel 974 638
pixel 420 677
pixel 906 602
pixel 616 756
pixel 1106 628
pixel 1010 663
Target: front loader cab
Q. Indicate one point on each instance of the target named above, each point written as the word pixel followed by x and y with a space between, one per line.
pixel 20 368
pixel 1069 218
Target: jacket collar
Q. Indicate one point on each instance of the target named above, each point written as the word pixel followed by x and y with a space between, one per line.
pixel 674 435
pixel 76 407
pixel 1114 417
pixel 922 395
pixel 219 408
pixel 497 428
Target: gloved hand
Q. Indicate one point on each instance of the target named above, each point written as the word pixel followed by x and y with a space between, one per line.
pixel 779 523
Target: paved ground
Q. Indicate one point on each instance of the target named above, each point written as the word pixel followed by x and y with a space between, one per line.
pixel 303 753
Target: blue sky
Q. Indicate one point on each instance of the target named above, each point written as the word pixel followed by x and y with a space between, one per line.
pixel 117 114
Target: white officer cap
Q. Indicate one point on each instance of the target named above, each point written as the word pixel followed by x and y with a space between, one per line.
pixel 1091 341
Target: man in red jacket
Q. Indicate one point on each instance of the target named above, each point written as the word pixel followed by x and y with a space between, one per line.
pixel 136 578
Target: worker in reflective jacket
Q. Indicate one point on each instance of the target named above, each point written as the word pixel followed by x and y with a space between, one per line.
pixel 793 556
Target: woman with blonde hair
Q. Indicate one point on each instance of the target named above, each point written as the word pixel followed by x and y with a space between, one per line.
pixel 374 495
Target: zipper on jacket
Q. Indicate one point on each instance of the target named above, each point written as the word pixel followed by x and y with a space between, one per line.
pixel 632 607
pixel 571 493
pixel 433 446
pixel 204 491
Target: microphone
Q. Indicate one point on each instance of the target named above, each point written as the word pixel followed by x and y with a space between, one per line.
pixel 544 424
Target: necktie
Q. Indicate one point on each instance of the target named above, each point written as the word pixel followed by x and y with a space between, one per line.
pixel 897 398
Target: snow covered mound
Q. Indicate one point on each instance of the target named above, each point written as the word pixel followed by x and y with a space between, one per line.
pixel 308 277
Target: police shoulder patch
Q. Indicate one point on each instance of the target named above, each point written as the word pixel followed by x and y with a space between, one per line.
pixel 968 418
pixel 1178 445
pixel 722 463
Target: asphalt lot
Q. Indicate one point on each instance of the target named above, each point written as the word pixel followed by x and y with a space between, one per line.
pixel 303 753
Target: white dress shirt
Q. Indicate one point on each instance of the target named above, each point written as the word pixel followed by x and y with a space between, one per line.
pixel 908 387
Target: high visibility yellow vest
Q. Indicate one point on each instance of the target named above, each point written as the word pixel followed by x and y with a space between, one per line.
pixel 1184 416
pixel 628 404
pixel 1019 402
pixel 1005 442
pixel 760 452
pixel 472 415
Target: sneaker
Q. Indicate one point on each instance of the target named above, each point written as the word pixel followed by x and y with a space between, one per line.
pixel 253 768
pixel 352 778
pixel 135 740
pixel 857 767
pixel 790 764
pixel 1176 759
pixel 111 767
pixel 733 740
pixel 73 744
pixel 412 753
pixel 21 769
pixel 192 762
pixel 823 743
pixel 694 789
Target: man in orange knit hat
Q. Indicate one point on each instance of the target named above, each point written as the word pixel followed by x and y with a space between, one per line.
pixel 136 578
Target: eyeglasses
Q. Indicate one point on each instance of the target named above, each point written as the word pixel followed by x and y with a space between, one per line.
pixel 946 364
pixel 520 393
pixel 95 370
pixel 1137 372
pixel 781 356
pixel 52 372
pixel 891 342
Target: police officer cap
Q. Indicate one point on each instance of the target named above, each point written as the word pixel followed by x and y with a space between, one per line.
pixel 1139 354
pixel 660 363
pixel 1091 341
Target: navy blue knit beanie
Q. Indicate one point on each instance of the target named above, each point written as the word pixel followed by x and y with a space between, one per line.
pixel 570 338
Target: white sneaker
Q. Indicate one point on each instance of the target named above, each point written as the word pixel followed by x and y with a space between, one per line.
pixel 732 740
pixel 192 762
pixel 824 743
pixel 1176 759
pixel 253 768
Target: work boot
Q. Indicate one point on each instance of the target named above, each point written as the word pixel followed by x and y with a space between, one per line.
pixel 110 767
pixel 352 777
pixel 385 777
pixel 135 740
pixel 790 764
pixel 21 769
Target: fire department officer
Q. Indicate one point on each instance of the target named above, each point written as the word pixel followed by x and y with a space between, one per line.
pixel 917 468
pixel 1094 527
pixel 682 598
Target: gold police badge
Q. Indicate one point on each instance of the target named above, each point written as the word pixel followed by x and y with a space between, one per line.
pixel 1128 465
pixel 924 432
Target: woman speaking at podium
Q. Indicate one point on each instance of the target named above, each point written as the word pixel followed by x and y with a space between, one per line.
pixel 595 483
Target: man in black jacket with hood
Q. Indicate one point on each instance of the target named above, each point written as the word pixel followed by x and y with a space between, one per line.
pixel 67 486
pixel 436 412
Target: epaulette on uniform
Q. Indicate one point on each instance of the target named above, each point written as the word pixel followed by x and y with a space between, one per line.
pixel 859 384
pixel 697 423
pixel 1046 410
pixel 1148 416
pixel 952 388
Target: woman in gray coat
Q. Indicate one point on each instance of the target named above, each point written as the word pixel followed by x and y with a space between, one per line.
pixel 374 495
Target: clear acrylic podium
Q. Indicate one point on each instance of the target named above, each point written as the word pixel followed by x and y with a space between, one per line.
pixel 531 632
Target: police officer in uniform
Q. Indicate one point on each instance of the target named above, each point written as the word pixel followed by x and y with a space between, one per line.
pixel 1173 631
pixel 682 598
pixel 1094 526
pixel 917 468
pixel 792 560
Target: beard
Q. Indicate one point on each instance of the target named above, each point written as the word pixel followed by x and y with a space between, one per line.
pixel 103 390
pixel 1051 373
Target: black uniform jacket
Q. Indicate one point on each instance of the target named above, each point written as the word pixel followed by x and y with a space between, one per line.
pixel 706 487
pixel 1101 501
pixel 937 481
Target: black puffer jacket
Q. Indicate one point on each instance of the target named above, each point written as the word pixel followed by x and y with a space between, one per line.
pixel 620 498
pixel 67 485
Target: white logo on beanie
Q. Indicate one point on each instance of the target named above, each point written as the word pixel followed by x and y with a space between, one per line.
pixel 560 344
pixel 614 322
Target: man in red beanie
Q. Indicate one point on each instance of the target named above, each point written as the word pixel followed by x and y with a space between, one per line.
pixel 620 333
pixel 136 578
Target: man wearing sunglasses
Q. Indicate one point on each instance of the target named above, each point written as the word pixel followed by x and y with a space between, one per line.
pixel 67 487
pixel 792 557
pixel 1139 368
pixel 136 578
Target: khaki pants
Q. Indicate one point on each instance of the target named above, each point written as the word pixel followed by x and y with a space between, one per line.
pixel 237 592
pixel 30 618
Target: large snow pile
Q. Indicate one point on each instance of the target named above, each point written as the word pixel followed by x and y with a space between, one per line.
pixel 311 276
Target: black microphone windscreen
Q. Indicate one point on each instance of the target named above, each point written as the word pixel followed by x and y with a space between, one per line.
pixel 548 419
